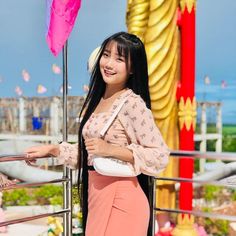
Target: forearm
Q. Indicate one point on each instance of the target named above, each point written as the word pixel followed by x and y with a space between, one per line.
pixel 121 153
pixel 67 154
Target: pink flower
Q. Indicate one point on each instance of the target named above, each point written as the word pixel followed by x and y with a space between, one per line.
pixel 18 90
pixel 56 69
pixel 25 75
pixel 41 89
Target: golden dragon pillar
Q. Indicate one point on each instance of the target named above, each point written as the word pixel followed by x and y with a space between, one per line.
pixel 162 46
pixel 157 27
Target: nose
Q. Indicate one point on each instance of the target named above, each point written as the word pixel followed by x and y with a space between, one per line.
pixel 109 63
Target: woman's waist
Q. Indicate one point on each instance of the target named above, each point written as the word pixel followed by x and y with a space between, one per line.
pixel 94 175
pixel 98 182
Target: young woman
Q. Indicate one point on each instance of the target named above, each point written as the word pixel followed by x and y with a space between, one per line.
pixel 116 205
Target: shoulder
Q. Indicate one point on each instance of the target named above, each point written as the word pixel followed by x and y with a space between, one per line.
pixel 134 101
pixel 134 104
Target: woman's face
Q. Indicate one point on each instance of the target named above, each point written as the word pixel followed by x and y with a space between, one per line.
pixel 113 66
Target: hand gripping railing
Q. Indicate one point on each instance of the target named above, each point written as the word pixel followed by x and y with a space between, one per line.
pixel 195 155
pixel 22 157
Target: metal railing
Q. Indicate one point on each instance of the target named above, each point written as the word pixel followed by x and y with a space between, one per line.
pixel 194 155
pixel 63 180
pixel 175 154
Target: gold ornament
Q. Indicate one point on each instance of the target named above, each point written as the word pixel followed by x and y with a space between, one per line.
pixel 185 226
pixel 187 113
pixel 190 4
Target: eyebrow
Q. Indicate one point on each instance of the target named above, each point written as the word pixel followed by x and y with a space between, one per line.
pixel 109 51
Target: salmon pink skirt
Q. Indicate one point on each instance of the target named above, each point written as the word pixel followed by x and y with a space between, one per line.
pixel 117 206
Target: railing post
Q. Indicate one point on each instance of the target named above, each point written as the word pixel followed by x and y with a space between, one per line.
pixel 22 116
pixel 153 205
pixel 67 173
pixel 203 143
pixel 54 116
pixel 219 128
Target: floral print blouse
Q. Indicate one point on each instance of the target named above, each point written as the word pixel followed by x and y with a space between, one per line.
pixel 133 128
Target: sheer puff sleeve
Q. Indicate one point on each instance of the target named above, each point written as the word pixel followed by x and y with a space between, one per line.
pixel 68 155
pixel 150 152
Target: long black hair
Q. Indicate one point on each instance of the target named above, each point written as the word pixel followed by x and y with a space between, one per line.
pixel 132 48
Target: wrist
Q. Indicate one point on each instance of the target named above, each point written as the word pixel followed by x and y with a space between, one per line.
pixel 54 150
pixel 110 150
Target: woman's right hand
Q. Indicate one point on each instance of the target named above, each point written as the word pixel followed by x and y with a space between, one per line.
pixel 41 151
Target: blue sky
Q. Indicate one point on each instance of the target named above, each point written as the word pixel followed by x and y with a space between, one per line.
pixel 216 54
pixel 23 46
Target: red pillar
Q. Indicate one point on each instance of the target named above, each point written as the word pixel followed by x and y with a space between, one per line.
pixel 187 99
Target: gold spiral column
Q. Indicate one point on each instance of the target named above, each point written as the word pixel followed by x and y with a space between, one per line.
pixel 137 17
pixel 162 46
pixel 154 21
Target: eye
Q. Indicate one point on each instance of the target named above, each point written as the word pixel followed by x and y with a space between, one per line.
pixel 105 54
pixel 121 59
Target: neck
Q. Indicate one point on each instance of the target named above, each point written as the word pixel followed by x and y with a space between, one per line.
pixel 110 91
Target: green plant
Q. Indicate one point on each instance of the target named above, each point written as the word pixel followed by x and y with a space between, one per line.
pixel 43 195
pixel 49 194
pixel 234 195
pixel 216 227
pixel 229 143
pixel 223 226
pixel 18 197
pixel 75 196
pixel 56 200
pixel 211 192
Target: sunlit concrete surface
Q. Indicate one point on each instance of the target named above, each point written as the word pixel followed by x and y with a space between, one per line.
pixel 37 227
pixel 33 228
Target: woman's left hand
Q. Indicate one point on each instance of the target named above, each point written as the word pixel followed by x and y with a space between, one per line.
pixel 97 146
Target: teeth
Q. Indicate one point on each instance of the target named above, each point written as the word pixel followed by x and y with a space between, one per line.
pixel 109 72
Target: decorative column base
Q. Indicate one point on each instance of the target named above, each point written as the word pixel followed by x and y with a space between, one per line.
pixel 185 226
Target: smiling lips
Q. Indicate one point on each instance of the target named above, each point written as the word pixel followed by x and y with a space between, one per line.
pixel 109 73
